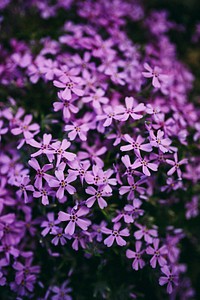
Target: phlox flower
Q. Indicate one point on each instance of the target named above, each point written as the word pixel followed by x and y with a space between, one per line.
pixel 115 235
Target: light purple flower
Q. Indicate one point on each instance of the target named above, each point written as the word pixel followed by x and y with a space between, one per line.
pixel 160 142
pixel 40 172
pixel 24 187
pixel 74 219
pixel 115 235
pixel 147 234
pixel 138 262
pixel 69 84
pixel 97 195
pixel 76 129
pixel 136 145
pixel 145 164
pixel 158 254
pixel 155 74
pixel 66 106
pixel 62 184
pixel 97 99
pixel 59 149
pixel 44 146
pixel 60 237
pixel 176 165
pixel 132 110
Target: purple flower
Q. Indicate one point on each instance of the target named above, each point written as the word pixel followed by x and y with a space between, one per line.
pixel 40 172
pixel 158 254
pixel 138 262
pixel 24 270
pixel 44 146
pixel 49 225
pixel 61 293
pixel 69 84
pixel 192 208
pixel 148 234
pixel 129 170
pixel 155 73
pixel 176 165
pixel 2 130
pixel 59 149
pixel 97 195
pixel 132 110
pixel 160 142
pixel 95 177
pixel 74 219
pixel 109 114
pixel 62 184
pixel 24 187
pixel 60 237
pixel 134 209
pixel 44 193
pixel 137 145
pixel 133 186
pixel 108 182
pixel 145 164
pixel 9 250
pixel 97 98
pixel 66 106
pixel 75 129
pixel 79 168
pixel 170 278
pixel 115 235
pixel 24 127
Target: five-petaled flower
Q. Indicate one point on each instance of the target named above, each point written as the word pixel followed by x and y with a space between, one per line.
pixel 138 262
pixel 176 165
pixel 157 77
pixel 170 278
pixel 74 218
pixel 115 235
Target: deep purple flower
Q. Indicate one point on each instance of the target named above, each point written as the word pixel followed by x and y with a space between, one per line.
pixel 61 293
pixel 192 208
pixel 170 278
pixel 49 225
pixel 132 187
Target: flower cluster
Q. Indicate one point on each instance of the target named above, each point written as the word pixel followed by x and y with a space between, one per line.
pixel 95 149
